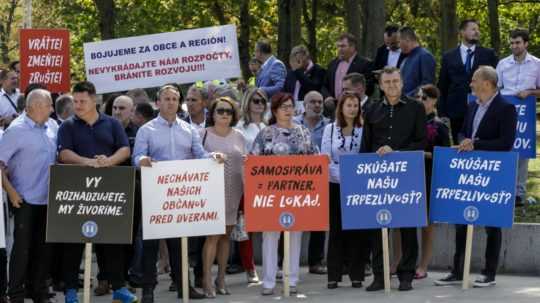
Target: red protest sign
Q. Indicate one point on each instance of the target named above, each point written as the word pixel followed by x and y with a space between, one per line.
pixel 44 56
pixel 286 193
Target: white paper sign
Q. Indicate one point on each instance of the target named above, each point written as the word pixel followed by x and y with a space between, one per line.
pixel 183 198
pixel 153 60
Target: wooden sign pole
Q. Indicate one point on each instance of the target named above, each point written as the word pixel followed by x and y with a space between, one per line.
pixel 386 260
pixel 468 253
pixel 87 271
pixel 185 270
pixel 286 263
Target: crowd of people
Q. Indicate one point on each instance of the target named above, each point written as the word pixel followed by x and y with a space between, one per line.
pixel 356 105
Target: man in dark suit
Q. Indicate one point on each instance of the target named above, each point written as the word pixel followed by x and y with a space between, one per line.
pixel 457 68
pixel 489 124
pixel 389 54
pixel 304 75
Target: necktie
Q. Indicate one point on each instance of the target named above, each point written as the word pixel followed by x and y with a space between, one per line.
pixel 468 61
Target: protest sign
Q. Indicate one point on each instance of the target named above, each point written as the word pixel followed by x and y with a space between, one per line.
pixel 383 191
pixel 525 142
pixel 286 193
pixel 154 60
pixel 90 205
pixel 183 198
pixel 44 57
pixel 476 188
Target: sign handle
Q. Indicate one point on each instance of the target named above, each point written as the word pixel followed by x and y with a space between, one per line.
pixel 185 270
pixel 386 260
pixel 286 263
pixel 468 252
pixel 87 271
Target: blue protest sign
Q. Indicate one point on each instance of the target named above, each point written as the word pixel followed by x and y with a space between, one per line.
pixel 387 191
pixel 476 187
pixel 525 143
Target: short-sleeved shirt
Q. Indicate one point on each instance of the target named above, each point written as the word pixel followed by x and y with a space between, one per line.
pixel 28 149
pixel 515 77
pixel 104 137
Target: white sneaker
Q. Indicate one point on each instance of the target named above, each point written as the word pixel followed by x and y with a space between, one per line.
pixel 484 281
pixel 252 277
pixel 267 291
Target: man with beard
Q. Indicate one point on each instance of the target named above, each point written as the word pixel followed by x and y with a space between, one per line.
pixel 519 75
pixel 457 68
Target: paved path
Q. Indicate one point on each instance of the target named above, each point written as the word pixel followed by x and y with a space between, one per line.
pixel 313 289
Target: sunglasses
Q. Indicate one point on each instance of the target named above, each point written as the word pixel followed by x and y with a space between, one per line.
pixel 223 111
pixel 118 107
pixel 257 101
pixel 423 97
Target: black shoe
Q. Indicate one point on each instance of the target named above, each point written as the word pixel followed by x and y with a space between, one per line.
pixel 484 281
pixel 234 269
pixel 173 287
pixel 451 279
pixel 193 294
pixel 147 295
pixel 376 285
pixel 405 285
pixel 318 270
pixel 356 284
pixel 332 285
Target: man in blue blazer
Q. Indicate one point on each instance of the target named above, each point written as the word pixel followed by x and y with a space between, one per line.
pixel 457 68
pixel 271 76
pixel 490 125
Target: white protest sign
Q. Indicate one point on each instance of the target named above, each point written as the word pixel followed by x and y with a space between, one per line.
pixel 183 198
pixel 153 60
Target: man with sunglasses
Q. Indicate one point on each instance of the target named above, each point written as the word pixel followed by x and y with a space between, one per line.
pixel 165 138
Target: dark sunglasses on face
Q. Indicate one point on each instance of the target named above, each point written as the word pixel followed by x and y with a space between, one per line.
pixel 118 107
pixel 223 111
pixel 423 97
pixel 257 101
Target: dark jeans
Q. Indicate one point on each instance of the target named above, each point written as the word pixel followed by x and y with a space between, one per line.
pixel 30 253
pixel 316 247
pixel 456 124
pixel 493 249
pixel 409 254
pixel 348 246
pixel 113 264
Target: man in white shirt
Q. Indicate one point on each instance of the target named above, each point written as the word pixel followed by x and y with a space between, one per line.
pixel 519 75
pixel 9 94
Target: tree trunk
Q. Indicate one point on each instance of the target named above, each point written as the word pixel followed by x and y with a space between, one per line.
pixel 218 11
pixel 284 30
pixel 296 22
pixel 5 32
pixel 372 27
pixel 311 25
pixel 352 17
pixel 243 39
pixel 107 18
pixel 494 28
pixel 448 25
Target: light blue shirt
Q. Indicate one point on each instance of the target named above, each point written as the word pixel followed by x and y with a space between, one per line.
pixel 317 131
pixel 28 149
pixel 163 141
pixel 479 115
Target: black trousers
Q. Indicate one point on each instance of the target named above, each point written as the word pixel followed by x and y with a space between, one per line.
pixel 30 253
pixel 493 250
pixel 409 254
pixel 149 260
pixel 113 264
pixel 456 124
pixel 316 247
pixel 344 245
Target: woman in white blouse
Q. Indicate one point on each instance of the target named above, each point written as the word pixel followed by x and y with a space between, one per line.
pixel 340 138
pixel 254 109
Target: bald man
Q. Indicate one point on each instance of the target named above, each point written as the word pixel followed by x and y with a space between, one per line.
pixel 313 119
pixel 27 149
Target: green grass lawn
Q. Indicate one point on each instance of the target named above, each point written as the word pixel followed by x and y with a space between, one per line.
pixel 531 212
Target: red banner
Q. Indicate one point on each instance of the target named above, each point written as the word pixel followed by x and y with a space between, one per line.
pixel 286 193
pixel 44 55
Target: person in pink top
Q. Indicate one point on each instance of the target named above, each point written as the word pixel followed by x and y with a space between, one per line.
pixel 220 136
